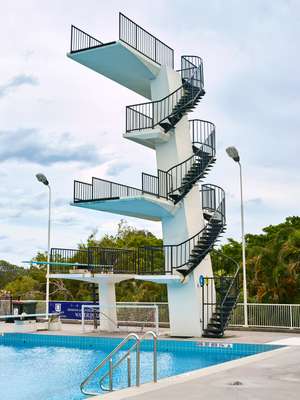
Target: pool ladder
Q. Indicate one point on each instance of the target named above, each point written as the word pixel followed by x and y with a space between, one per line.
pixel 112 365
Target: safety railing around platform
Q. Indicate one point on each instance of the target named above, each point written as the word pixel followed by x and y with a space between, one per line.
pixel 166 183
pixel 93 260
pixel 145 43
pixel 101 189
pixel 81 40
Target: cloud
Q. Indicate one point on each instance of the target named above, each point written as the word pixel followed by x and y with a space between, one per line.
pixel 254 202
pixel 29 145
pixel 17 81
pixel 116 167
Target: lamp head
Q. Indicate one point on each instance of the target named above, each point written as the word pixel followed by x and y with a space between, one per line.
pixel 42 178
pixel 233 153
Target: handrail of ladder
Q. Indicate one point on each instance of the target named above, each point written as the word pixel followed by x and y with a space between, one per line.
pixel 108 359
pixel 127 356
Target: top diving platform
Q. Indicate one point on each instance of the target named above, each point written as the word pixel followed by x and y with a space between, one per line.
pixel 133 61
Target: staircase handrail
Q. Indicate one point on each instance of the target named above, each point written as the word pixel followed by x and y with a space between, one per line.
pixel 149 106
pixel 188 245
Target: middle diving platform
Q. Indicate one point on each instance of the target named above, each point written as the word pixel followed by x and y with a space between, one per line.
pixel 103 195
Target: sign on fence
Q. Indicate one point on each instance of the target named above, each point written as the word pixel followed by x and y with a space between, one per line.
pixel 71 309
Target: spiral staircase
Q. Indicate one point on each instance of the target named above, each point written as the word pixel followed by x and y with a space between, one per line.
pixel 144 60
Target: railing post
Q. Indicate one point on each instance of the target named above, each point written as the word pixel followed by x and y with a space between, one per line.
pixel 71 38
pixel 154 359
pixel 291 317
pixel 138 364
pixel 110 375
pixel 202 307
pixel 128 371
pixel 138 261
pixel 136 37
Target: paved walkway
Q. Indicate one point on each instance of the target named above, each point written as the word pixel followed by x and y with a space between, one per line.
pixel 268 376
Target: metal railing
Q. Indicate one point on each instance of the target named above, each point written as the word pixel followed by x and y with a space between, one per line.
pixel 112 365
pixel 283 316
pixel 183 175
pixel 155 259
pixel 166 183
pixel 81 40
pixel 94 260
pixel 101 189
pixel 175 256
pixel 127 314
pixel 145 43
pixel 150 114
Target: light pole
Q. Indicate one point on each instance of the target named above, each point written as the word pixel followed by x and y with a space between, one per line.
pixel 234 154
pixel 42 178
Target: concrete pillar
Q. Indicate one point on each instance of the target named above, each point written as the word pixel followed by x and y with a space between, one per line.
pixel 185 303
pixel 108 310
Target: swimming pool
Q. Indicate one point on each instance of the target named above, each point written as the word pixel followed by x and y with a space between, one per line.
pixel 46 367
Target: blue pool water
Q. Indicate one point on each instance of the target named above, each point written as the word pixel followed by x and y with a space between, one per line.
pixel 52 367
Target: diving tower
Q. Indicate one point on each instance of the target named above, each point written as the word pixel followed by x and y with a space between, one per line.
pixel 192 215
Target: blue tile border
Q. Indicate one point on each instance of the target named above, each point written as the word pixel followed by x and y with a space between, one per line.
pixel 109 343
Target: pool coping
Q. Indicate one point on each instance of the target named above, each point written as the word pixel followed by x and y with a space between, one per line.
pixel 131 392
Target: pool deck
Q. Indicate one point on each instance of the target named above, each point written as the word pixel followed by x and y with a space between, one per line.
pixel 274 375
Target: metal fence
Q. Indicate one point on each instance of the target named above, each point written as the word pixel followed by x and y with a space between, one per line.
pixel 283 316
pixel 268 316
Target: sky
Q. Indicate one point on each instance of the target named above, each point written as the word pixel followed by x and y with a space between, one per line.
pixel 66 121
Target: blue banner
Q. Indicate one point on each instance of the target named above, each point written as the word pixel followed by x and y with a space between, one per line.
pixel 71 309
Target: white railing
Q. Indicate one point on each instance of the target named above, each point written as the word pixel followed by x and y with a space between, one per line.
pixel 285 316
pixel 131 315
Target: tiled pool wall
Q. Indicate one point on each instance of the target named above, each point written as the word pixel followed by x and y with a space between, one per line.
pixel 109 343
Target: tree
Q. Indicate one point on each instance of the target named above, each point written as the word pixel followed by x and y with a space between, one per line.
pixel 9 272
pixel 25 287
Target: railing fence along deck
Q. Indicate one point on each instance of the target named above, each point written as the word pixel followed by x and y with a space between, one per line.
pixel 282 316
pixel 268 316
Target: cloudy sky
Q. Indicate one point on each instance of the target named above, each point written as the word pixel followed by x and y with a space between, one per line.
pixel 62 119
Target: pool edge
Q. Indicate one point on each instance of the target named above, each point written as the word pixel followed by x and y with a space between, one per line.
pixel 128 393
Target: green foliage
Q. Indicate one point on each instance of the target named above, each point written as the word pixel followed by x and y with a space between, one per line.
pixel 25 287
pixel 8 273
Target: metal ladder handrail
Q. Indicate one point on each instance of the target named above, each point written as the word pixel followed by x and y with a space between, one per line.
pixel 127 355
pixel 112 366
pixel 103 362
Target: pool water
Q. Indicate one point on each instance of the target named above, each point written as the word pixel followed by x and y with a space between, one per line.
pixel 52 367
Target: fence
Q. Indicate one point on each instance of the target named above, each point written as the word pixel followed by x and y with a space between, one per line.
pixel 268 316
pixel 129 315
pixel 72 310
pixel 283 316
